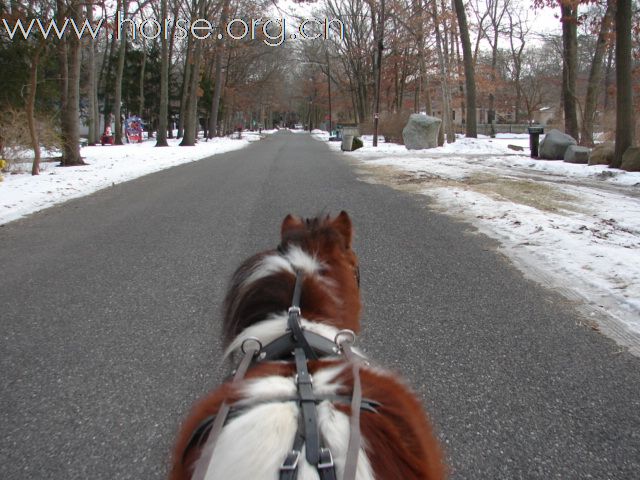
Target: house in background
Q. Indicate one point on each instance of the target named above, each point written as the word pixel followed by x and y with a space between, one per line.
pixel 544 115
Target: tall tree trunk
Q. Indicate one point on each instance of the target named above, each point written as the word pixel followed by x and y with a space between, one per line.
pixel 119 73
pixel 70 82
pixel 607 79
pixel 516 56
pixel 595 77
pixel 472 129
pixel 63 60
pixel 217 91
pixel 92 83
pixel 172 37
pixel 142 70
pixel 423 84
pixel 447 122
pixel 30 108
pixel 569 66
pixel 492 96
pixel 184 95
pixel 163 114
pixel 625 124
pixel 105 72
pixel 191 110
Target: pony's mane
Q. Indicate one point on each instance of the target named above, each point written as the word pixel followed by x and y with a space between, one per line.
pixel 263 285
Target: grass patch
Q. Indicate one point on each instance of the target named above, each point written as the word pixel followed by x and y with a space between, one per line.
pixel 542 196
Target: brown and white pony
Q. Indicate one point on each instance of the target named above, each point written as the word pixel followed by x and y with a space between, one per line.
pixel 396 440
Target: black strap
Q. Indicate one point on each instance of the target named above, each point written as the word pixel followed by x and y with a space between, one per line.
pixel 297 289
pixel 293 322
pixel 308 407
pixel 283 347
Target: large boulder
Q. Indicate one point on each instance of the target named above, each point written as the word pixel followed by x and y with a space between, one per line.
pixel 421 131
pixel 555 144
pixel 577 154
pixel 631 160
pixel 602 154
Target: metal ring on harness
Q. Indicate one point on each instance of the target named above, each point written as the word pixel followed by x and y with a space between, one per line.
pixel 247 341
pixel 345 336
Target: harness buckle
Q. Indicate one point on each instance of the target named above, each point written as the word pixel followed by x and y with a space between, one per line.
pixel 295 310
pixel 291 461
pixel 326 459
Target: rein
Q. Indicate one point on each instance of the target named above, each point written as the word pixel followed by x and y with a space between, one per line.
pixel 305 346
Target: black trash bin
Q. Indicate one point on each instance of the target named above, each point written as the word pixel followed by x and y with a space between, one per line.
pixel 534 139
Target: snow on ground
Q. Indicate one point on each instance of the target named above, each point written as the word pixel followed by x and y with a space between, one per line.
pixel 22 193
pixel 575 228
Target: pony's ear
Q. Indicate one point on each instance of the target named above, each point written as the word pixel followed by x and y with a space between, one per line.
pixel 289 223
pixel 342 223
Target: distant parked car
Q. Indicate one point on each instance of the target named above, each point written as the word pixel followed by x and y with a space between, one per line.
pixel 298 126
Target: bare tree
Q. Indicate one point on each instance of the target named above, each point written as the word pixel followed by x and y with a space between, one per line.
pixel 496 10
pixel 356 63
pixel 444 78
pixel 471 126
pixel 518 30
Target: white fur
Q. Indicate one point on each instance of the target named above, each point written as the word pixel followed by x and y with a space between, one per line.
pixel 301 260
pixel 253 445
pixel 293 258
pixel 268 266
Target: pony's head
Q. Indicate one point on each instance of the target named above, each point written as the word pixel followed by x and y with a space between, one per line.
pixel 321 248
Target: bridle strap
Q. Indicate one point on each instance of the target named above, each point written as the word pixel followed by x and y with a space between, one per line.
pixel 297 289
pixel 204 464
pixel 293 322
pixel 353 450
pixel 308 408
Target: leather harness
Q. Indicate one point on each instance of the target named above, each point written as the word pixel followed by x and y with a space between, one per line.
pixel 304 345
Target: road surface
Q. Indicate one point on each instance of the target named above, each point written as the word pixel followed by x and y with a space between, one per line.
pixel 110 321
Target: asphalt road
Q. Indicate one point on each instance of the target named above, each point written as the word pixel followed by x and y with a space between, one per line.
pixel 110 312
